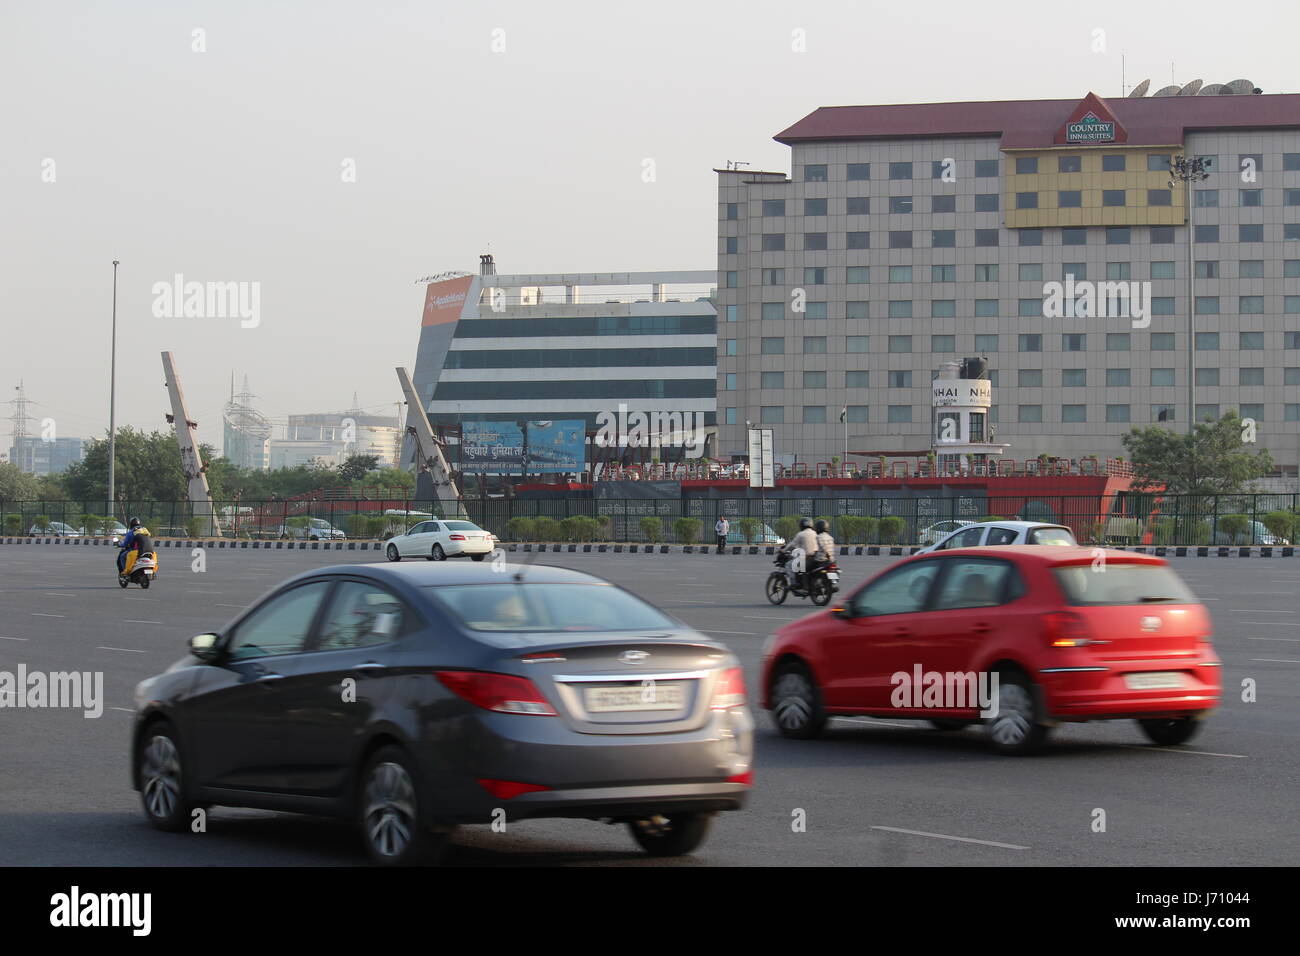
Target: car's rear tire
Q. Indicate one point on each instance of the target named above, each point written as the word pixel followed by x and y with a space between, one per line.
pixel 671 834
pixel 392 553
pixel 949 724
pixel 390 814
pixel 778 588
pixel 1170 731
pixel 161 778
pixel 437 554
pixel 1017 730
pixel 477 557
pixel 796 703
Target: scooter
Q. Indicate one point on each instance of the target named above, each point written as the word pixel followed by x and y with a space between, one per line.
pixel 821 583
pixel 140 568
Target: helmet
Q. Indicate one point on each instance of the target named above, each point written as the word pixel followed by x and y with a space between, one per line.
pixel 134 523
pixel 805 523
pixel 821 527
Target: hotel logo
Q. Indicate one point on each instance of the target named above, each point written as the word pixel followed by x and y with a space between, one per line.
pixel 1090 129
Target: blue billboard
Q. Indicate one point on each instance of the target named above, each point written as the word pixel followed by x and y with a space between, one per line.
pixel 497 448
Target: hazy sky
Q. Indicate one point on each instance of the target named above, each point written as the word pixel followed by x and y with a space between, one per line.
pixel 228 165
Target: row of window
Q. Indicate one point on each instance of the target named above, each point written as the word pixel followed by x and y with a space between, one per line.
pixel 588 325
pixel 579 358
pixel 1025 272
pixel 1025 342
pixel 1028 308
pixel 1025 414
pixel 982 238
pixel 546 389
pixel 1029 378
pixel 1028 165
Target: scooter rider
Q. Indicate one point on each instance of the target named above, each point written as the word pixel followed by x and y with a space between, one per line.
pixel 136 539
pixel 806 540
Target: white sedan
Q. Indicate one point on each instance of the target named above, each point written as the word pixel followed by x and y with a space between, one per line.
pixel 940 530
pixel 1004 532
pixel 438 540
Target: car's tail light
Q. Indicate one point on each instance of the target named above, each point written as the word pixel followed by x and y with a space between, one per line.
pixel 456 537
pixel 729 691
pixel 747 778
pixel 507 789
pixel 1066 629
pixel 503 693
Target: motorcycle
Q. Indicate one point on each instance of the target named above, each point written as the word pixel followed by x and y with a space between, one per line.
pixel 822 583
pixel 140 567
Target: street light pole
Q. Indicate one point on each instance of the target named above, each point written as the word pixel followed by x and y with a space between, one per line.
pixel 112 407
pixel 1187 171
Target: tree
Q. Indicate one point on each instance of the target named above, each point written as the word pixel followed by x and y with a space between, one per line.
pixel 148 468
pixel 16 484
pixel 356 467
pixel 1212 460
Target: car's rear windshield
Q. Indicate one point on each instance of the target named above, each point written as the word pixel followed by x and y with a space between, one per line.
pixel 1114 583
pixel 520 607
pixel 462 526
pixel 1051 536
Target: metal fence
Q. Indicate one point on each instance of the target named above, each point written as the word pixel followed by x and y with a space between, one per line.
pixel 1123 519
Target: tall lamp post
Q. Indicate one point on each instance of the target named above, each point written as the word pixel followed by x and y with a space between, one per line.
pixel 1186 171
pixel 112 406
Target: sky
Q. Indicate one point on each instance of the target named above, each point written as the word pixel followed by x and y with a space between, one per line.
pixel 328 155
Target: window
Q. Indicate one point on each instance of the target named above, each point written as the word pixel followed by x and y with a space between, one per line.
pixel 857 310
pixel 814 345
pixel 814 310
pixel 1162 270
pixel 729 383
pixel 900 205
pixel 773 242
pixel 1162 341
pixel 988 168
pixel 943 273
pixel 855 343
pixel 975 582
pixel 1250 233
pixel 986 272
pixel 986 237
pixel 858 171
pixel 1030 414
pixel 1250 376
pixel 1253 161
pixel 732 313
pixel 1030 378
pixel 772 415
pixel 943 308
pixel 861 240
pixel 1162 235
pixel 1118 235
pixel 1118 270
pixel 1207 341
pixel 1069 164
pixel 1074 413
pixel 773 310
pixel 1255 197
pixel 1291 304
pixel 773 277
pixel 731 347
pixel 1029 308
pixel 858 205
pixel 732 247
pixel 1162 377
pixel 280 625
pixel 899 413
pixel 943 204
pixel 938 167
pixel 1292 413
pixel 1074 236
pixel 857 275
pixel 1162 413
pixel 1074 342
pixel 729 416
pixel 1250 341
pixel 1026 164
pixel 859 379
pixel 988 202
pixel 814 275
pixel 814 414
pixel 1291 376
pixel 1030 237
pixel 1207 413
pixel 943 238
pixel 1250 304
pixel 1118 413
pixel 1118 377
pixel 1291 161
pixel 731 279
pixel 814 173
pixel 1207 269
pixel 773 346
pixel 900 170
pixel 1207 305
pixel 1113 163
pixel 814 241
pixel 1157 164
pixel 732 212
pixel 1074 377
pixel 1290 197
pixel 773 207
pixel 1206 233
pixel 986 342
pixel 363 615
pixel 1069 198
pixel 1162 305
pixel 898 239
pixel 1030 272
pixel 1206 377
pixel 900 309
pixel 900 379
pixel 1160 197
pixel 903 591
pixel 900 343
pixel 1205 198
pixel 1209 163
pixel 1118 342
pixel 1291 230
pixel 1252 410
pixel 1112 197
pixel 943 343
pixel 986 308
pixel 1078 270
pixel 1030 342
pixel 900 273
pixel 814 207
pixel 857 413
pixel 1251 268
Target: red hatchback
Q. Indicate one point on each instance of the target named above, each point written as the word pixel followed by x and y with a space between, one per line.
pixel 1019 637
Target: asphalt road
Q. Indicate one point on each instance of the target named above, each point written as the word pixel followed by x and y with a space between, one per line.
pixel 871 792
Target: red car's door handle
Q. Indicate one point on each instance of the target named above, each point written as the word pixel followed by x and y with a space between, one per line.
pixel 981 628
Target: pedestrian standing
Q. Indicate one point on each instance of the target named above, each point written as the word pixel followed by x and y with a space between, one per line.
pixel 723 529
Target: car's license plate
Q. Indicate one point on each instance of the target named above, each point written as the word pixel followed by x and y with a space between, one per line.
pixel 651 695
pixel 1154 680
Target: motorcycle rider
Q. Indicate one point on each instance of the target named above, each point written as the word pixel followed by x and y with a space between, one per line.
pixel 823 553
pixel 806 540
pixel 136 539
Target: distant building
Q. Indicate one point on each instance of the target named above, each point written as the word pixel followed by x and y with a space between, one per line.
pixel 37 456
pixel 334 437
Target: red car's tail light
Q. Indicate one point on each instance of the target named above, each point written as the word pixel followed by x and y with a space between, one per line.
pixel 1066 629
pixel 729 691
pixel 507 789
pixel 503 693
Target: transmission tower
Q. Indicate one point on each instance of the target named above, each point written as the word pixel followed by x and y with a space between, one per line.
pixel 19 419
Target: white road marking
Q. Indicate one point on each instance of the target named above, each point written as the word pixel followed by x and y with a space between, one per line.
pixel 714 630
pixel 1272 623
pixel 13 638
pixel 126 710
pixel 141 622
pixel 910 725
pixel 943 836
pixel 768 617
pixel 1257 610
pixel 1273 660
pixel 129 650
pixel 1172 750
pixel 39 614
pixel 229 605
pixel 1273 638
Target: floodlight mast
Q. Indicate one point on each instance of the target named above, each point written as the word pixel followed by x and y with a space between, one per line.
pixel 1186 171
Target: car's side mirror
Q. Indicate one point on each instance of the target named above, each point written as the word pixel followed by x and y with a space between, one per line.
pixel 205 647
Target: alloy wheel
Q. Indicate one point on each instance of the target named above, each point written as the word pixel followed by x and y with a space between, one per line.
pixel 389 819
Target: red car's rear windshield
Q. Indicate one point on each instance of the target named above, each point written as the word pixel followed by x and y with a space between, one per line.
pixel 1114 583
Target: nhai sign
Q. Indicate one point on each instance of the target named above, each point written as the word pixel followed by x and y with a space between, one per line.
pixel 1090 129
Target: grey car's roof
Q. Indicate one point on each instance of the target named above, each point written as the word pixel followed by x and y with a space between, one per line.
pixel 432 573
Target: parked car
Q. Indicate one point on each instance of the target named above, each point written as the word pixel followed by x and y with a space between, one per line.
pixel 766 536
pixel 1255 534
pixel 1003 533
pixel 939 530
pixel 1067 640
pixel 438 539
pixel 107 529
pixel 55 529
pixel 554 694
pixel 318 529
